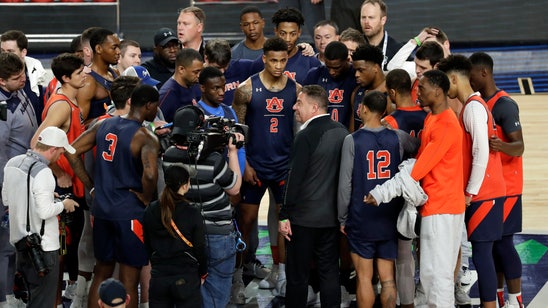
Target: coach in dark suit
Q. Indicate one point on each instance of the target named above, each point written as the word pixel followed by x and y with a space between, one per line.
pixel 308 218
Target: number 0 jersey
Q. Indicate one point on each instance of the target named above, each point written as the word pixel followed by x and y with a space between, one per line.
pixel 117 171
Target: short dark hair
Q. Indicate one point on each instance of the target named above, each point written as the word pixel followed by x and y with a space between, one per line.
pixel 289 14
pixel 431 51
pixel 250 9
pixel 98 37
pixel 353 35
pixel 456 63
pixel 125 43
pixel 10 65
pixel 398 80
pixel 318 94
pixel 144 94
pixel 437 79
pixel 65 64
pixel 336 51
pixel 76 44
pixel 218 51
pixel 121 89
pixel 186 56
pixel 375 101
pixel 327 22
pixel 368 53
pixel 86 34
pixel 482 59
pixel 16 35
pixel 274 44
pixel 209 72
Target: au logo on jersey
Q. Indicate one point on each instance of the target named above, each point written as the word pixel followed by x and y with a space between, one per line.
pixel 291 75
pixel 336 96
pixel 274 105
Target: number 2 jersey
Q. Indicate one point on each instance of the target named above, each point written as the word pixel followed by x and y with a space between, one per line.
pixel 117 171
pixel 271 123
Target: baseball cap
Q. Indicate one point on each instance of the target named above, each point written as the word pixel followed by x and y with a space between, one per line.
pixel 112 292
pixel 142 73
pixel 164 36
pixel 55 137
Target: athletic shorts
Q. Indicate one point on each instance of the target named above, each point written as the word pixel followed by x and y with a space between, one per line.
pixel 512 215
pixel 252 194
pixel 119 241
pixel 386 249
pixel 484 220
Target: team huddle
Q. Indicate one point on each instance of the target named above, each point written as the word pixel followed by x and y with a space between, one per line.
pixel 371 154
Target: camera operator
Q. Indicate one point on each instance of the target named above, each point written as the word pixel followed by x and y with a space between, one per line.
pixel 209 192
pixel 28 191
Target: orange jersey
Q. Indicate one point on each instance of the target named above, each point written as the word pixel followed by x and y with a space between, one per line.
pixel 76 128
pixel 439 164
pixel 493 185
pixel 415 90
pixel 512 166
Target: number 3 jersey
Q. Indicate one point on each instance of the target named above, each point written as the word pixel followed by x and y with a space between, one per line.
pixel 271 123
pixel 117 171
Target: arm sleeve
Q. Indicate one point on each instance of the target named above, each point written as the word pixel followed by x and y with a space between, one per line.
pixel 298 166
pixel 432 153
pixel 506 115
pixel 345 178
pixel 475 123
pixel 400 58
pixel 43 187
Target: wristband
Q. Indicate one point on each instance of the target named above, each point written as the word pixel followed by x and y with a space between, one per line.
pixel 418 41
pixel 91 190
pixel 152 126
pixel 468 194
pixel 283 220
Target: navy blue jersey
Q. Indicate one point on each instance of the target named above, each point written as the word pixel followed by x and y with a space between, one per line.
pixel 174 96
pixel 270 119
pixel 376 159
pixel 117 171
pixel 97 107
pixel 237 72
pixel 297 66
pixel 339 91
pixel 408 119
pixel 358 98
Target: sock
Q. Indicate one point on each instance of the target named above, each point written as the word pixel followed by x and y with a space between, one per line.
pixel 515 299
pixel 143 305
pixel 281 271
pixel 275 254
pixel 500 297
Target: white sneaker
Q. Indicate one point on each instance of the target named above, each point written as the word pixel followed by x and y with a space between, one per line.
pixel 508 305
pixel 70 290
pixel 346 298
pixel 256 269
pixel 279 291
pixel 269 282
pixel 468 278
pixel 461 296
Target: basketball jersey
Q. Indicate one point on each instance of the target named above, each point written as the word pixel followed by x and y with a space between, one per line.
pixel 339 92
pixel 237 72
pixel 408 119
pixel 76 128
pixel 117 171
pixel 358 97
pixel 512 166
pixel 376 160
pixel 98 107
pixel 271 121
pixel 415 91
pixel 493 185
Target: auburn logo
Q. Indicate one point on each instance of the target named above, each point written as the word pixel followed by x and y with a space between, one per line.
pixel 336 96
pixel 275 105
pixel 291 75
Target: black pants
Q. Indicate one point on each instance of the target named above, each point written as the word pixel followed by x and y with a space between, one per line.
pixel 307 244
pixel 178 291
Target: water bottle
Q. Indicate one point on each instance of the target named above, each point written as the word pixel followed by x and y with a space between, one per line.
pixel 5 223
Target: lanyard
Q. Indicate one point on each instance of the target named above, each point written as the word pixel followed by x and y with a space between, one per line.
pixel 384 46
